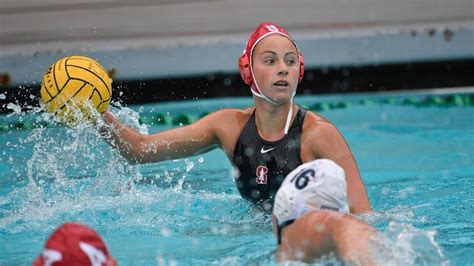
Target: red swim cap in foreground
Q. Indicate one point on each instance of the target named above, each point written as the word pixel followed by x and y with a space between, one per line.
pixel 75 244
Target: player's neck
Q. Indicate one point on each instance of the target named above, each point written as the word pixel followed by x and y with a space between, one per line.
pixel 271 119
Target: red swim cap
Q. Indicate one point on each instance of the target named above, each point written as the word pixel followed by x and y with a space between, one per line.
pixel 75 244
pixel 263 30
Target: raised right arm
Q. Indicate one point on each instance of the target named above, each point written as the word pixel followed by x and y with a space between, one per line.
pixel 176 143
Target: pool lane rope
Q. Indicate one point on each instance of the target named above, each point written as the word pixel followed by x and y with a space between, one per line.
pixel 441 101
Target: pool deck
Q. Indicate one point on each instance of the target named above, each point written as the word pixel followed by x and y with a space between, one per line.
pixel 150 39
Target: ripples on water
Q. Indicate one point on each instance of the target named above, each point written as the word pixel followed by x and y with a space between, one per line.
pixel 184 211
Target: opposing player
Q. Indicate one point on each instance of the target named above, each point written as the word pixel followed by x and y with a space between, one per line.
pixel 264 142
pixel 75 244
pixel 310 217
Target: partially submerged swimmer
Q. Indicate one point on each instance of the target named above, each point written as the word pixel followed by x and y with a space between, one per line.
pixel 311 220
pixel 264 142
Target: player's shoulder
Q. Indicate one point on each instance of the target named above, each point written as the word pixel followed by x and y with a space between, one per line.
pixel 324 216
pixel 316 124
pixel 227 125
pixel 229 114
pixel 245 111
pixel 321 218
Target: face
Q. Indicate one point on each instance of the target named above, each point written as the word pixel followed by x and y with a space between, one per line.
pixel 275 67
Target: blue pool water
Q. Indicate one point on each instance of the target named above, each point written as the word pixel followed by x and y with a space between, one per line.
pixel 416 162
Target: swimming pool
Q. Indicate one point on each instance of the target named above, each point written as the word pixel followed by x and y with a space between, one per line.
pixel 417 161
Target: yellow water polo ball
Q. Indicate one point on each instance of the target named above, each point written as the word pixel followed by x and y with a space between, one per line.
pixel 76 85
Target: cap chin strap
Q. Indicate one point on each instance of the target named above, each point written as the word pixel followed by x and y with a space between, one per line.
pixel 290 112
pixel 288 118
pixel 256 91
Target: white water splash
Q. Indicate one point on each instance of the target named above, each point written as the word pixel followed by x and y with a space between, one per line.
pixel 398 213
pixel 189 166
pixel 403 244
pixel 400 243
pixel 129 117
pixel 15 108
pixel 67 164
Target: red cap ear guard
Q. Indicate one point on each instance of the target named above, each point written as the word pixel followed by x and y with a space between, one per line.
pixel 244 67
pixel 301 59
pixel 246 74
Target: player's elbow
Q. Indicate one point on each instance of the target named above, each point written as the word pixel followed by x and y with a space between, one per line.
pixel 362 208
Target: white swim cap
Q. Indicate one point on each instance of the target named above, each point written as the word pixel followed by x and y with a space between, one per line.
pixel 319 184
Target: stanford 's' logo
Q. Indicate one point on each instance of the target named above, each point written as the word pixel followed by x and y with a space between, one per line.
pixel 261 175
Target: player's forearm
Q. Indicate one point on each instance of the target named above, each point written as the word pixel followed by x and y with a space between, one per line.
pixel 360 206
pixel 356 192
pixel 167 145
pixel 126 140
pixel 358 200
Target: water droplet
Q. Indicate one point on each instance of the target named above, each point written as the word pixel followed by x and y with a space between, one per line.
pixel 227 82
pixel 15 108
pixel 165 232
pixel 214 230
pixel 189 166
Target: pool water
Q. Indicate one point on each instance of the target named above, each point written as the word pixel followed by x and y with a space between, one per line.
pixel 417 164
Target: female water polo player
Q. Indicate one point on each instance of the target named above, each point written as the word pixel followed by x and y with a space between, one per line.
pixel 264 142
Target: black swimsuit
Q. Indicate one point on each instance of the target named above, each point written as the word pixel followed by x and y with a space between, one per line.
pixel 262 165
